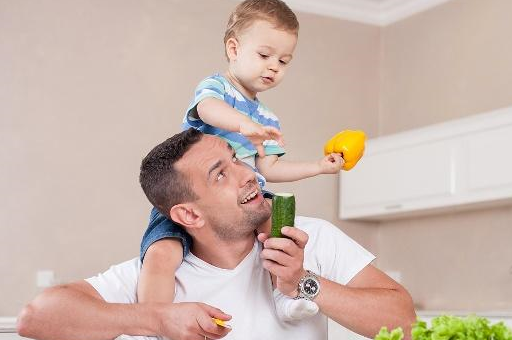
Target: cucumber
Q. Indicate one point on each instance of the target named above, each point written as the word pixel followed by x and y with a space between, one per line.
pixel 283 213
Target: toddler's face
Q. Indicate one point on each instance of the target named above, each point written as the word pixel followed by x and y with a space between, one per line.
pixel 262 57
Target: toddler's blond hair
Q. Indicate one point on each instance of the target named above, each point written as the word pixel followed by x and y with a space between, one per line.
pixel 275 12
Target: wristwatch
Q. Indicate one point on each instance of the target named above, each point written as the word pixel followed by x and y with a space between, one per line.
pixel 309 286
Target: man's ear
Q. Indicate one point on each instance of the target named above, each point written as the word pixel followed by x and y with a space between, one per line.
pixel 232 49
pixel 186 215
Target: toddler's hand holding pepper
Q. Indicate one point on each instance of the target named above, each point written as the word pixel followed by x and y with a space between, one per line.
pixel 331 164
pixel 348 143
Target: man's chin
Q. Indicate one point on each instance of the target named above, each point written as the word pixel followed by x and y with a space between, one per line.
pixel 259 214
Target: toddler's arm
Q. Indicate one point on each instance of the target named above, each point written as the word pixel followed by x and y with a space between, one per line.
pixel 217 113
pixel 276 170
pixel 157 276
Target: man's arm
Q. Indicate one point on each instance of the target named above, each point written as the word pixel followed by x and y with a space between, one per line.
pixel 77 311
pixel 369 301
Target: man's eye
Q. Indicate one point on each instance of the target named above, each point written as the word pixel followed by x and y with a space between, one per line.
pixel 220 175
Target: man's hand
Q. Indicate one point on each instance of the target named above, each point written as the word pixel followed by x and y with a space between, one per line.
pixel 257 134
pixel 331 164
pixel 284 258
pixel 191 320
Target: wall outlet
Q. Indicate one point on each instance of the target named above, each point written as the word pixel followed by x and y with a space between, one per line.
pixel 45 278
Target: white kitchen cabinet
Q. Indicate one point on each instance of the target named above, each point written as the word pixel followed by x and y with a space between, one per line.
pixel 454 165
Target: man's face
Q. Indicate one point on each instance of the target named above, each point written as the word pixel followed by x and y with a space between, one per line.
pixel 229 196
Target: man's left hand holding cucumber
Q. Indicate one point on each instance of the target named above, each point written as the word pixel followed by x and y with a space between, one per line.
pixel 284 258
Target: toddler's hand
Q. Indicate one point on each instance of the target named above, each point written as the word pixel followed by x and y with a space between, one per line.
pixel 257 134
pixel 331 164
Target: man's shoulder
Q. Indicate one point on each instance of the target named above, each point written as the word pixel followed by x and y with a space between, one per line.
pixel 133 264
pixel 320 230
pixel 119 282
pixel 313 224
pixel 129 268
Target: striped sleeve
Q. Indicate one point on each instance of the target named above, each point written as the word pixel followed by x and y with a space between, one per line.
pixel 272 148
pixel 210 87
pixel 266 117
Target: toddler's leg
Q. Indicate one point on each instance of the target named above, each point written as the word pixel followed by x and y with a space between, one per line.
pixel 289 309
pixel 157 281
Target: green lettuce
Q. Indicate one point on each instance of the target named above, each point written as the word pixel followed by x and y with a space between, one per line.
pixel 395 334
pixel 447 327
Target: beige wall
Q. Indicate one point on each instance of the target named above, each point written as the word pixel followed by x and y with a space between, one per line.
pixel 87 88
pixel 452 61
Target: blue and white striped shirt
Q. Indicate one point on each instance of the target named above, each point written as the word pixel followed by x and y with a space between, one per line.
pixel 219 87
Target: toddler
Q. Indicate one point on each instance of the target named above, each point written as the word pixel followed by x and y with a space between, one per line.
pixel 259 43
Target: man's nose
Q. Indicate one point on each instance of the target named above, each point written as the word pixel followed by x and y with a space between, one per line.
pixel 245 174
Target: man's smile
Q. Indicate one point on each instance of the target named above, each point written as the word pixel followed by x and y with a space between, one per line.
pixel 253 196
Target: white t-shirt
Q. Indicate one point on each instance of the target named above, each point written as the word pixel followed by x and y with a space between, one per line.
pixel 245 292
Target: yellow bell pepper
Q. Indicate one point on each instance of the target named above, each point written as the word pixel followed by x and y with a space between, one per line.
pixel 348 143
pixel 220 322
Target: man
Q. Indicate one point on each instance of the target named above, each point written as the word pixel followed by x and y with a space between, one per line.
pixel 197 181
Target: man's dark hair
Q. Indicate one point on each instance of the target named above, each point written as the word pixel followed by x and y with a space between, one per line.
pixel 162 183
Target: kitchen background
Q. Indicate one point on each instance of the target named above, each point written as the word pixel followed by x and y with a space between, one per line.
pixel 87 88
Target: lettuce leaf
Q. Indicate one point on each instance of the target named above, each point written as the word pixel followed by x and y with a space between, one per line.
pixel 395 334
pixel 447 327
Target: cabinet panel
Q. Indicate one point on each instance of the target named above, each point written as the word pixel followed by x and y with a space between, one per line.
pixel 490 159
pixel 395 177
pixel 460 164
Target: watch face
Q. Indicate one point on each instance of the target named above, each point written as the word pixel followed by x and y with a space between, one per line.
pixel 310 287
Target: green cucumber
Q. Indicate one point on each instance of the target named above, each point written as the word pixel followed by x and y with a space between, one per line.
pixel 283 213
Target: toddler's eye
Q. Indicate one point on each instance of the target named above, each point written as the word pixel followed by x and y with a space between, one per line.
pixel 264 56
pixel 283 62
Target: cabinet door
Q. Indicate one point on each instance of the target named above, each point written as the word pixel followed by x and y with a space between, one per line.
pixel 399 179
pixel 489 160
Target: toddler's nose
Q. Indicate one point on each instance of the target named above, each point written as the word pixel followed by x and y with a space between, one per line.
pixel 273 65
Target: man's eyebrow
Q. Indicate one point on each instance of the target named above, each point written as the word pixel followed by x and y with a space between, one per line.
pixel 219 162
pixel 214 167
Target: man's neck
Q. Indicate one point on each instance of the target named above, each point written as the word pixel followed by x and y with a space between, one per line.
pixel 223 254
pixel 266 226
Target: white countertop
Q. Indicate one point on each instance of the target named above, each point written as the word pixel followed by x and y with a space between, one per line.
pixel 486 314
pixel 7 325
